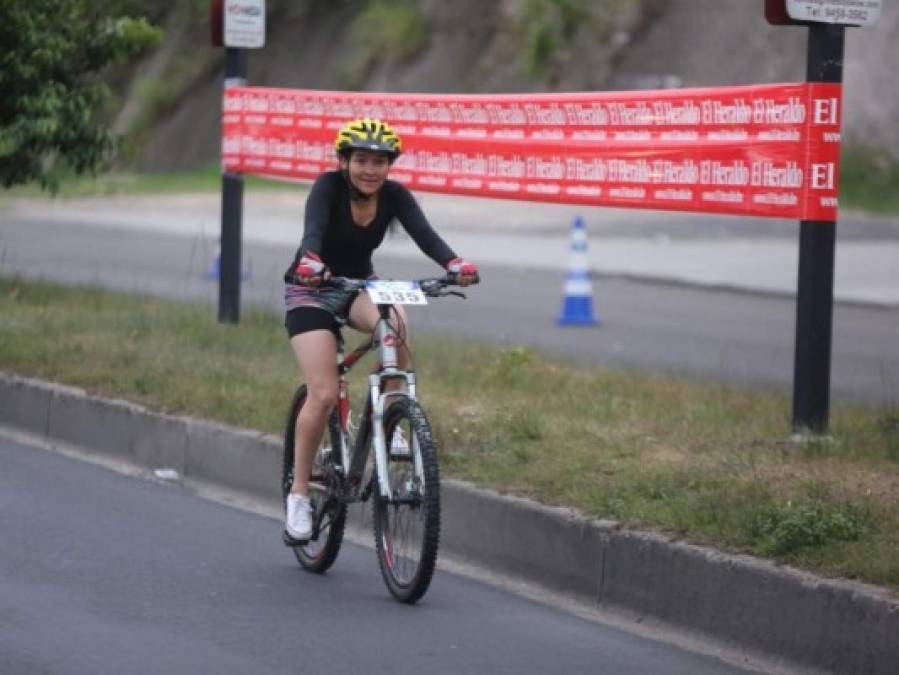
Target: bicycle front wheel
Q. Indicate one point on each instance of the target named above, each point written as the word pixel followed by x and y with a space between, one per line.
pixel 329 513
pixel 407 524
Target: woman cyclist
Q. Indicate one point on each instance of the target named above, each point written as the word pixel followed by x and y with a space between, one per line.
pixel 346 217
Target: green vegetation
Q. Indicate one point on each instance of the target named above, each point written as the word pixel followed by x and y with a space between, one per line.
pixel 51 110
pixel 784 528
pixel 706 462
pixel 207 179
pixel 869 180
pixel 549 27
pixel 386 31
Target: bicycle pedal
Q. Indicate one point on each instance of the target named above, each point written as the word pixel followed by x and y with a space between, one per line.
pixel 290 542
pixel 407 497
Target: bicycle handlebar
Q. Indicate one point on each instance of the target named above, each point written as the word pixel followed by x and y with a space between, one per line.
pixel 430 286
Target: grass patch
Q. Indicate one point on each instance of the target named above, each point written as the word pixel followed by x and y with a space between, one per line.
pixel 778 529
pixel 869 180
pixel 706 462
pixel 206 179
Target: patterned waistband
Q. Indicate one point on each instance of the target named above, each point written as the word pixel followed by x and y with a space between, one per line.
pixel 333 300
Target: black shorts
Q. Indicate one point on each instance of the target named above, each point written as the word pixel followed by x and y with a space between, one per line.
pixel 305 319
pixel 316 309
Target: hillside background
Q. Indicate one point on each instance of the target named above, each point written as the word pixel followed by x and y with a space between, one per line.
pixel 168 105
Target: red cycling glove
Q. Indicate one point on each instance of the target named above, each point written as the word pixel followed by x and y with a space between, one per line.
pixel 467 272
pixel 310 270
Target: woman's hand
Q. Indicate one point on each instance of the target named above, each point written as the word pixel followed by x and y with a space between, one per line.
pixel 311 271
pixel 466 272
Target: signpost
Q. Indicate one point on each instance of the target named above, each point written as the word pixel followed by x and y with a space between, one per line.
pixel 232 209
pixel 237 25
pixel 826 21
pixel 817 242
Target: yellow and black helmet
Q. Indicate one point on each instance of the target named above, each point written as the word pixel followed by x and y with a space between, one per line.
pixel 368 134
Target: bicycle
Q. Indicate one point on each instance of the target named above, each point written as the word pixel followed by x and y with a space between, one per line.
pixel 405 485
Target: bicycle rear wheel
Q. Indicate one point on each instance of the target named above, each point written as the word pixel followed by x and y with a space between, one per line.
pixel 329 513
pixel 407 526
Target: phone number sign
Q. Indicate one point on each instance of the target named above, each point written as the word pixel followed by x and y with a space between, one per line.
pixel 850 12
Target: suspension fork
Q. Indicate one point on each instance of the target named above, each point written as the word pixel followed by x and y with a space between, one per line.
pixel 388 369
pixel 379 441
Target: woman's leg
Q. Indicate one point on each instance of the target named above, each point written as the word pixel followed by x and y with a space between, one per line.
pixel 316 353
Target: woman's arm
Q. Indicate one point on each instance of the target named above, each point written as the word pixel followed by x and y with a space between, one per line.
pixel 413 220
pixel 307 263
pixel 317 213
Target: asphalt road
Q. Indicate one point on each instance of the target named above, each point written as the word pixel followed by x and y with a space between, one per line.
pixel 736 337
pixel 102 572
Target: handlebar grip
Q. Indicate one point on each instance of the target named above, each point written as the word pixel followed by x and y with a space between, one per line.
pixel 453 278
pixel 326 279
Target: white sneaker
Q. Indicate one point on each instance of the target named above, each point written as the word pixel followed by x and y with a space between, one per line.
pixel 299 517
pixel 399 447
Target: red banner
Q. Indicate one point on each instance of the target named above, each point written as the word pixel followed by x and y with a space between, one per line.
pixel 767 150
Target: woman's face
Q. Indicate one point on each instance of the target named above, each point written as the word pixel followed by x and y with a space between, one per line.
pixel 367 169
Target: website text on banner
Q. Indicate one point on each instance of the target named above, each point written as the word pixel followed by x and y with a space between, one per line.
pixel 767 150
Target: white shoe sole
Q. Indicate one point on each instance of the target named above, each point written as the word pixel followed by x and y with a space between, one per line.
pixel 298 534
pixel 290 540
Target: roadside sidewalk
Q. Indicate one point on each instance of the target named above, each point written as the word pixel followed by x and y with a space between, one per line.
pixel 701 250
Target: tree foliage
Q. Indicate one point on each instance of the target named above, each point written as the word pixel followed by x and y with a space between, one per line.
pixel 51 52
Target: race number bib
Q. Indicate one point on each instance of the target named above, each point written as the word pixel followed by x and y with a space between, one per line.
pixel 395 293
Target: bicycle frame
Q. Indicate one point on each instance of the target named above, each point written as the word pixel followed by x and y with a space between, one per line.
pixel 406 505
pixel 371 423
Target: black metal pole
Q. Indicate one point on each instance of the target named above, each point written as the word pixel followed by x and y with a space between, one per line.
pixel 232 209
pixel 817 242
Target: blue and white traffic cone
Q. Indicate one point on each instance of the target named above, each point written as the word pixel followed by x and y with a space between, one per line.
pixel 577 307
pixel 214 273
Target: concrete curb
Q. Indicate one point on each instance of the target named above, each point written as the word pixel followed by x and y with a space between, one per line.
pixel 743 602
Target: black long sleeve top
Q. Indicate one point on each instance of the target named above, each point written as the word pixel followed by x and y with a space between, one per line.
pixel 347 248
